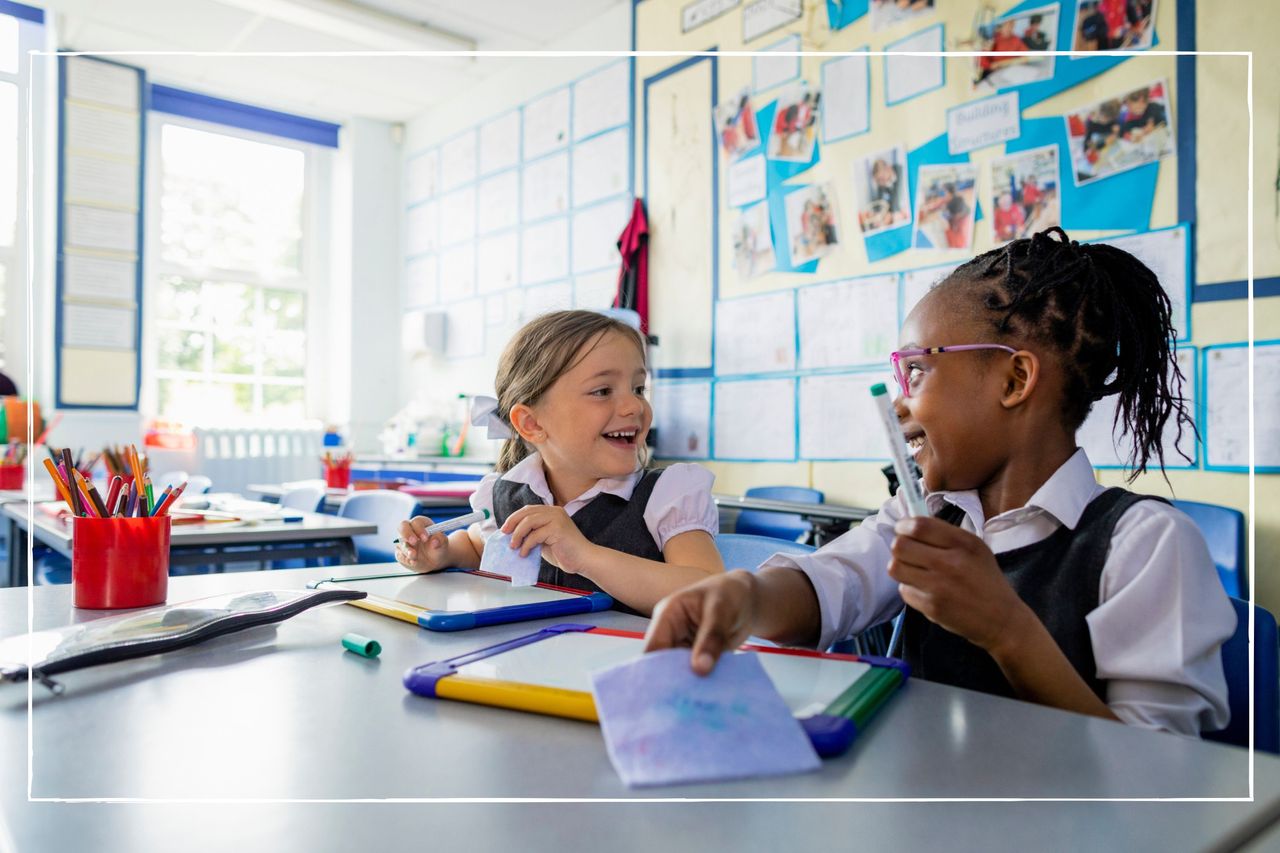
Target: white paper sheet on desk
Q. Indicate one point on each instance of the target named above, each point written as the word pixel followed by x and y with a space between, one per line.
pixel 664 725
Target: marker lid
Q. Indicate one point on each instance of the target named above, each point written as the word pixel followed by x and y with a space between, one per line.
pixel 878 389
pixel 361 645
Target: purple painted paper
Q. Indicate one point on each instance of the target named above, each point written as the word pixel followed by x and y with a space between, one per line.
pixel 664 725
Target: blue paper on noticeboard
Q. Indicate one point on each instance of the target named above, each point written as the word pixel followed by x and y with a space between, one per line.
pixel 664 725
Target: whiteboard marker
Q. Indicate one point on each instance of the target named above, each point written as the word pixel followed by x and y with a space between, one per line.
pixel 898 451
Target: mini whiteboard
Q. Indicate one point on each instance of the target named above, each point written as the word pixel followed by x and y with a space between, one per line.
pixel 848 323
pixel 756 334
pixel 1225 411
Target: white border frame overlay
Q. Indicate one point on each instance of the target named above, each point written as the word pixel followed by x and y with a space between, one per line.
pixel 30 284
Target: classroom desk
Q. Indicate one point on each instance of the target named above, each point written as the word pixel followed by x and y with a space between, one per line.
pixel 335 498
pixel 828 520
pixel 284 713
pixel 316 535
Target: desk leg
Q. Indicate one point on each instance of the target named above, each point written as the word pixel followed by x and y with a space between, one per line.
pixel 19 570
pixel 348 549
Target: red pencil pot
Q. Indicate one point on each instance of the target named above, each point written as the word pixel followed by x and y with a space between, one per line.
pixel 337 476
pixel 120 562
pixel 11 476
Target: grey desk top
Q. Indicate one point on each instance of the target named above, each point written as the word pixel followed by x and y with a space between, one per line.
pixel 283 713
pixel 57 534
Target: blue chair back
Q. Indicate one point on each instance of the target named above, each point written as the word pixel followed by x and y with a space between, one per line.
pixel 779 525
pixel 384 508
pixel 1266 681
pixel 1223 529
pixel 747 551
pixel 305 498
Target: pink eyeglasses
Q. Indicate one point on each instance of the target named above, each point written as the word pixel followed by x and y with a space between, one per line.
pixel 896 358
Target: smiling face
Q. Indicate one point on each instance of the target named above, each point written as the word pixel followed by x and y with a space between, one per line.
pixel 594 419
pixel 953 420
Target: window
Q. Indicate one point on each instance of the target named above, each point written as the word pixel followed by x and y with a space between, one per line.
pixel 231 282
pixel 13 128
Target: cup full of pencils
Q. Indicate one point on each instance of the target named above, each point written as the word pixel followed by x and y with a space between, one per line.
pixel 13 465
pixel 120 542
pixel 337 470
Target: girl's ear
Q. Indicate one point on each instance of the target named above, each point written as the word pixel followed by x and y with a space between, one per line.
pixel 1021 377
pixel 525 423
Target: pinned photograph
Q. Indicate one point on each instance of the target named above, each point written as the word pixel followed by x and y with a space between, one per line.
pixel 1034 30
pixel 736 124
pixel 811 223
pixel 1120 133
pixel 1114 24
pixel 890 13
pixel 795 124
pixel 946 197
pixel 880 188
pixel 1024 193
pixel 753 241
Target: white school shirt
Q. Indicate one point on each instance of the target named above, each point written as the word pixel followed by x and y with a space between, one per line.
pixel 1162 614
pixel 680 501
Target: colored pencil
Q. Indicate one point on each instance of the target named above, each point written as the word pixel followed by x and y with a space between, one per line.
pixel 58 483
pixel 75 493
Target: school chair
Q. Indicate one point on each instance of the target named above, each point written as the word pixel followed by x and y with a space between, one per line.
pixel 306 498
pixel 197 484
pixel 779 525
pixel 384 508
pixel 169 478
pixel 1266 681
pixel 748 551
pixel 1223 529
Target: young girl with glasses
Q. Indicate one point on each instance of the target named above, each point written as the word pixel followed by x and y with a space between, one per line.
pixel 1028 579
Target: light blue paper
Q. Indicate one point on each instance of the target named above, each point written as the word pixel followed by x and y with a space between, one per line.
pixel 664 725
pixel 500 558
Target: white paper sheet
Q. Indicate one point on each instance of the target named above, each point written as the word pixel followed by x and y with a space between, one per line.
pixel 545 187
pixel 1106 447
pixel 497 207
pixel 458 216
pixel 838 419
pixel 94 228
pixel 422 280
pixel 85 277
pixel 422 231
pixel 498 262
pixel 500 143
pixel 544 251
pixel 546 124
pixel 916 283
pixel 846 97
pixel 747 181
pixel 770 71
pixel 600 166
pixel 90 129
pixel 699 12
pixel 682 416
pixel 765 16
pixel 600 101
pixel 989 121
pixel 103 83
pixel 848 323
pixel 464 329
pixel 907 76
pixel 424 176
pixel 595 235
pixel 100 181
pixel 98 326
pixel 756 334
pixel 458 272
pixel 458 160
pixel 1165 254
pixel 1227 406
pixel 755 419
pixel 595 291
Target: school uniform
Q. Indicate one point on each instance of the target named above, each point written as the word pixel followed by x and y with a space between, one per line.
pixel 637 514
pixel 1124 583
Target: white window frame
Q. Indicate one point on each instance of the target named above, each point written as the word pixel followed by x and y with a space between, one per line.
pixel 313 279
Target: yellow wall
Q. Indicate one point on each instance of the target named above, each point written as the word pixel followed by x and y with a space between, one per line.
pixel 1221 223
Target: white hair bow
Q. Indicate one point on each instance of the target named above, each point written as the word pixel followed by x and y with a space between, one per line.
pixel 484 413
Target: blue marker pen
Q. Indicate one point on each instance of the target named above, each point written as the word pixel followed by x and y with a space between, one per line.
pixel 898 451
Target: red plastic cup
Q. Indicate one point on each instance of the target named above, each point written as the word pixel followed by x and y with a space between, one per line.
pixel 337 476
pixel 12 476
pixel 120 562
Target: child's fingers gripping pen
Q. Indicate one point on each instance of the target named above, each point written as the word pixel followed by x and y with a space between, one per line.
pixel 898 450
pixel 453 524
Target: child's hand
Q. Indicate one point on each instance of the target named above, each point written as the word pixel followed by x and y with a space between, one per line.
pixel 713 616
pixel 420 552
pixel 951 576
pixel 551 527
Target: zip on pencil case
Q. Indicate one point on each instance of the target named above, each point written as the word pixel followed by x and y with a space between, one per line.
pixel 152 630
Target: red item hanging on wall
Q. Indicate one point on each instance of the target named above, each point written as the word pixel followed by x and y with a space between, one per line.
pixel 633 278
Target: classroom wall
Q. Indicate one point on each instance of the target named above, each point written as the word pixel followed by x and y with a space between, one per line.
pixel 681 304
